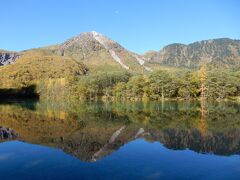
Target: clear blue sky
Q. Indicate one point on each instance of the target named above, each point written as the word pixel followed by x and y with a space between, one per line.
pixel 139 25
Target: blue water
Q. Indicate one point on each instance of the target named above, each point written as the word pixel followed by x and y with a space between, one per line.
pixel 136 160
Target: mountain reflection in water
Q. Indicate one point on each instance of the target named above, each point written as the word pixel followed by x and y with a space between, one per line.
pixel 95 130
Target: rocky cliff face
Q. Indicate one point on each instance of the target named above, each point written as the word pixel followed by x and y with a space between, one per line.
pixel 220 52
pixel 7 57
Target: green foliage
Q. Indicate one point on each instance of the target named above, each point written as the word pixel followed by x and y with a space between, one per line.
pixel 99 84
pixel 163 84
pixel 222 84
pixel 154 86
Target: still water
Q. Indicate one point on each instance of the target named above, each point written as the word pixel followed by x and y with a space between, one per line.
pixel 170 140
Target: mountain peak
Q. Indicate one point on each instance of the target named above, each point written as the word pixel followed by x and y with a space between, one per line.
pixel 95 33
pixel 96 46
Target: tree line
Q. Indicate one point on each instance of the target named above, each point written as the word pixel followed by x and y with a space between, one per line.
pixel 207 83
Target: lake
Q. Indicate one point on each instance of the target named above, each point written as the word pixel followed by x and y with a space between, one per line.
pixel 168 140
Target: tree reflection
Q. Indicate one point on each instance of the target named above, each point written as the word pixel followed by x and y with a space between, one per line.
pixel 95 130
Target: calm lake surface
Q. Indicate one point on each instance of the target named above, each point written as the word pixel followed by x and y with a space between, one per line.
pixel 170 140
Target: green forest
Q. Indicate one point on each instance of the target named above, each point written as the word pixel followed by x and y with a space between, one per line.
pixel 206 82
pixel 62 78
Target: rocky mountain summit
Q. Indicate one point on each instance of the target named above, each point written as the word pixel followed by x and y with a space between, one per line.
pixel 96 49
pixel 7 57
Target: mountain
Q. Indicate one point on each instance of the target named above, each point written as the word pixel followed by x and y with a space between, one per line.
pixel 99 52
pixel 8 57
pixel 32 67
pixel 48 74
pixel 222 52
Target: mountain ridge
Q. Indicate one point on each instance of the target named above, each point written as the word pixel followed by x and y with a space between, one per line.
pixel 223 52
pixel 100 52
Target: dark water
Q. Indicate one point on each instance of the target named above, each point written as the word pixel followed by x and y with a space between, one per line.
pixel 173 140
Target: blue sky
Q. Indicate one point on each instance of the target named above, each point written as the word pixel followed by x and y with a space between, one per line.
pixel 139 25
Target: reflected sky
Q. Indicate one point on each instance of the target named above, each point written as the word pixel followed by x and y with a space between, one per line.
pixel 136 160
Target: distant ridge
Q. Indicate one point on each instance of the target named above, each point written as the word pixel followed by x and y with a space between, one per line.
pixel 222 52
